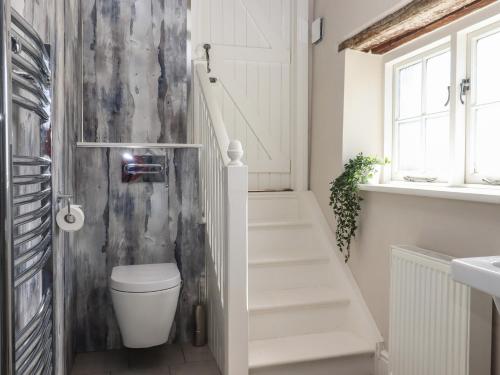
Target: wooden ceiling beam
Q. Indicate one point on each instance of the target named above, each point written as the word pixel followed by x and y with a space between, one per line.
pixel 415 19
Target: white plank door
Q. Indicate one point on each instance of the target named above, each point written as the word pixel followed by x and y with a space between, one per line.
pixel 251 44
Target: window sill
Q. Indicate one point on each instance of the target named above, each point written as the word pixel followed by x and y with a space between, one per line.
pixel 471 193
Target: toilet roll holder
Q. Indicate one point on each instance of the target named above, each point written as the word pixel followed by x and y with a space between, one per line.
pixel 69 217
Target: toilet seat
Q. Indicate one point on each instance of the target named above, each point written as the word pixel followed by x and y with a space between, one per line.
pixel 145 278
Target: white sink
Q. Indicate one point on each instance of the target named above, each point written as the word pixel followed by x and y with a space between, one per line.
pixel 479 273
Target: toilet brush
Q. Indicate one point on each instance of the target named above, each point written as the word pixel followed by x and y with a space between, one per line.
pixel 200 322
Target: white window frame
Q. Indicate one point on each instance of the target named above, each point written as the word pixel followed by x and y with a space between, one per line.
pixel 459 37
pixel 423 57
pixel 471 177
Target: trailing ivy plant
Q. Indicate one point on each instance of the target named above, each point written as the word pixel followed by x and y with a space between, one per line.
pixel 346 201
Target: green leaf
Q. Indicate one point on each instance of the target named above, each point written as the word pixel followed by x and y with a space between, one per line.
pixel 346 201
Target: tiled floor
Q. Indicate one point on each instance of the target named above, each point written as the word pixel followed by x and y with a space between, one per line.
pixel 164 360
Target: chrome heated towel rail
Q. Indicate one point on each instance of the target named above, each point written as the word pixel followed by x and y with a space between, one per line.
pixel 26 345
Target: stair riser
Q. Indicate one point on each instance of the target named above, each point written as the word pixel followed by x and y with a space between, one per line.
pixel 289 251
pixel 355 365
pixel 262 278
pixel 272 210
pixel 296 241
pixel 297 321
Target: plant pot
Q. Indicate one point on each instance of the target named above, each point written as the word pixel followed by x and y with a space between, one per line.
pixel 376 175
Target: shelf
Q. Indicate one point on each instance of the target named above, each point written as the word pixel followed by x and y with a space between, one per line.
pixel 137 145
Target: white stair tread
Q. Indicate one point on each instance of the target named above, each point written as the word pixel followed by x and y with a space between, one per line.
pixel 291 258
pixel 314 347
pixel 282 299
pixel 279 224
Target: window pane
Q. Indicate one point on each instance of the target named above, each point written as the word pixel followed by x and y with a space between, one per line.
pixel 437 146
pixel 410 91
pixel 487 139
pixel 409 148
pixel 488 69
pixel 438 82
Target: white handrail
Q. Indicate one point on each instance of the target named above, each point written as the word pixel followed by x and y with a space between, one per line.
pixel 224 199
pixel 213 111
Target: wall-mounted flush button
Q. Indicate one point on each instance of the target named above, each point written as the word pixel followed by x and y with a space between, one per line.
pixel 143 168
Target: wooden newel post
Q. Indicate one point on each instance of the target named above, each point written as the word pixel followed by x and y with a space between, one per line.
pixel 236 301
pixel 235 153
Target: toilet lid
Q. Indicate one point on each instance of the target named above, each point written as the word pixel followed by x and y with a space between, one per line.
pixel 145 278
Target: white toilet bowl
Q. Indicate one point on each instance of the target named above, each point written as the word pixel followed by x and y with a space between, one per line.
pixel 145 300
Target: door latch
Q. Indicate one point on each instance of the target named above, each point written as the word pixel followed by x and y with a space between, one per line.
pixel 464 89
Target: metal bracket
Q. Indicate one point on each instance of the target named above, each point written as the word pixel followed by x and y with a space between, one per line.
pixel 61 196
pixel 16 46
pixel 207 48
pixel 67 197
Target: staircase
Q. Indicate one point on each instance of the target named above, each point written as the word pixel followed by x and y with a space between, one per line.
pixel 306 313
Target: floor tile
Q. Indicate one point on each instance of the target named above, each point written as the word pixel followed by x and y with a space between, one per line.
pixel 164 360
pixel 196 354
pixel 77 372
pixel 196 368
pixel 164 371
pixel 155 358
pixel 100 363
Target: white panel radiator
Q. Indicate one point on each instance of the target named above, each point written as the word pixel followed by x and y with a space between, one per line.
pixel 437 326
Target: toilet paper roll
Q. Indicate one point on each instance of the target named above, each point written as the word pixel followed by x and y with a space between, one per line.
pixel 70 225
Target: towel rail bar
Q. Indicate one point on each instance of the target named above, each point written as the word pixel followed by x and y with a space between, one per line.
pixel 24 238
pixel 33 269
pixel 32 179
pixel 44 362
pixel 23 335
pixel 29 198
pixel 31 161
pixel 31 357
pixel 40 248
pixel 26 28
pixel 35 54
pixel 27 66
pixel 30 105
pixel 24 81
pixel 36 332
pixel 33 215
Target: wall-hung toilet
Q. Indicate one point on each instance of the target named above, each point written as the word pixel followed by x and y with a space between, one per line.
pixel 145 300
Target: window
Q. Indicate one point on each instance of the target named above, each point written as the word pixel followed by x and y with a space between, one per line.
pixel 427 109
pixel 483 106
pixel 422 116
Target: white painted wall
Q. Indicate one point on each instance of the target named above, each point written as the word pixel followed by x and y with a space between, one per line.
pixel 342 18
pixel 451 227
pixel 363 104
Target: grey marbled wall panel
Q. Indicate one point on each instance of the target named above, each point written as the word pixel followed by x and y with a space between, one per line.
pixel 134 224
pixel 135 71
